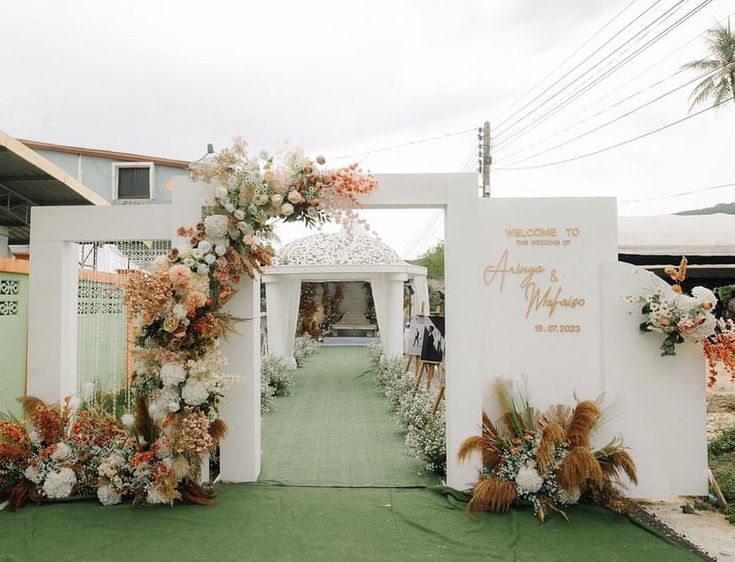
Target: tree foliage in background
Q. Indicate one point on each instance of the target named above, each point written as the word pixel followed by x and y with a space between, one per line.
pixel 433 261
pixel 719 83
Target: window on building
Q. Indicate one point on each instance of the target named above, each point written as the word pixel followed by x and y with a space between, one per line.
pixel 133 180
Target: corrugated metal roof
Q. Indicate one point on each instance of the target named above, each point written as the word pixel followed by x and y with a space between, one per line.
pixel 26 180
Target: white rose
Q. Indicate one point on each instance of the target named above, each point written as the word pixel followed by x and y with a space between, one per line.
pixel 204 246
pixel 197 254
pixel 287 209
pixel 210 259
pixel 202 269
pixel 239 214
pixel 220 249
pixel 189 262
pixel 277 200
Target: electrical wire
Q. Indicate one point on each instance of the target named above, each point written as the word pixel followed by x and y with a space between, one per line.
pixel 404 144
pixel 681 194
pixel 575 95
pixel 614 120
pixel 548 88
pixel 622 143
pixel 566 60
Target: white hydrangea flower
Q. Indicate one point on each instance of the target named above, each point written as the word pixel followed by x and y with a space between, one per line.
pixel 108 495
pixel 35 438
pixel 179 311
pixel 215 226
pixel 529 480
pixel 33 474
pixel 172 373
pixel 59 484
pixel 154 497
pixel 194 392
pixel 703 295
pixel 569 498
pixel 61 451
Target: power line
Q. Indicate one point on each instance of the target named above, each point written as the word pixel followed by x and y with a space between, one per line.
pixel 404 144
pixel 566 60
pixel 649 133
pixel 614 120
pixel 674 195
pixel 584 120
pixel 503 128
pixel 501 123
pixel 514 136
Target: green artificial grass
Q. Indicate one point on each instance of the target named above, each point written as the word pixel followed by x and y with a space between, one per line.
pixel 274 523
pixel 336 429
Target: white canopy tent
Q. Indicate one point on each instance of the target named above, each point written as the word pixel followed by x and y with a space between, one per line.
pixel 692 235
pixel 342 256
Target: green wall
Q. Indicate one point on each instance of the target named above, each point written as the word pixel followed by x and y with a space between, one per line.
pixel 13 336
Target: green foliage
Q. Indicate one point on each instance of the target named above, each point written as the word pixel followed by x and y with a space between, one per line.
pixel 725 292
pixel 718 84
pixel 723 443
pixel 280 379
pixel 723 467
pixel 730 513
pixel 304 347
pixel 433 261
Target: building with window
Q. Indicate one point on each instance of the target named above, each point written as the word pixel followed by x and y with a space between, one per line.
pixel 118 177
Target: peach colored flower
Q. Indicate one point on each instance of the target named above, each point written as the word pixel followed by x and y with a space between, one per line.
pixel 170 324
pixel 295 197
pixel 179 275
pixel 320 160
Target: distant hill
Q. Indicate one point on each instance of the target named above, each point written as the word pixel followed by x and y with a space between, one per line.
pixel 724 208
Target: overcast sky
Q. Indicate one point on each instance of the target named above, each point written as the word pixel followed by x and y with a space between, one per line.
pixel 349 77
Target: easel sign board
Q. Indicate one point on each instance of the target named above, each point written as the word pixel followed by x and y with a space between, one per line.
pixel 415 337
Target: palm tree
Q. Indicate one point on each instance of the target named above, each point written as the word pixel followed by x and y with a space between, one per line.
pixel 719 85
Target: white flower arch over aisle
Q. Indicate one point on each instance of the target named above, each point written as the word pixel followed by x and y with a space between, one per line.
pixel 153 455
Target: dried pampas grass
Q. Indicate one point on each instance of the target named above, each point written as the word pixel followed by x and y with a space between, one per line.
pixel 492 494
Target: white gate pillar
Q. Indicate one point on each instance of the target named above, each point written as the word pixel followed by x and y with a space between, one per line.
pixel 52 319
pixel 240 449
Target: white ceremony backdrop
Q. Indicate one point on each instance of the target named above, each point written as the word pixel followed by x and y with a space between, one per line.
pixel 589 348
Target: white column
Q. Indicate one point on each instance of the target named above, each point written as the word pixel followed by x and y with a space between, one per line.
pixel 52 319
pixel 240 450
pixel 274 311
pixel 420 294
pixel 291 294
pixel 4 250
pixel 388 297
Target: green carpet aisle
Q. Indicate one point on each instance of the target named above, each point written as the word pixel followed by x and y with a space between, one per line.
pixel 271 523
pixel 336 429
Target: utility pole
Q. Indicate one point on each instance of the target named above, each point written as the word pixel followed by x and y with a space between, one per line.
pixel 486 159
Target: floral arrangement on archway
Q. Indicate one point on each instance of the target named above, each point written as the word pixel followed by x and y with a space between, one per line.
pixel 154 454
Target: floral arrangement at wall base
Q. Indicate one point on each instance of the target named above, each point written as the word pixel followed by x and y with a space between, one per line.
pixel 304 347
pixel 545 458
pixel 179 321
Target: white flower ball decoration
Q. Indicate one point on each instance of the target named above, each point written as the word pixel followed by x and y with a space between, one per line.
pixel 529 480
pixel 194 392
pixel 172 373
pixel 61 451
pixel 215 226
pixel 59 484
pixel 108 495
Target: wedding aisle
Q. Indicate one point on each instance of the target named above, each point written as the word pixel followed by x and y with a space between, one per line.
pixel 336 429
